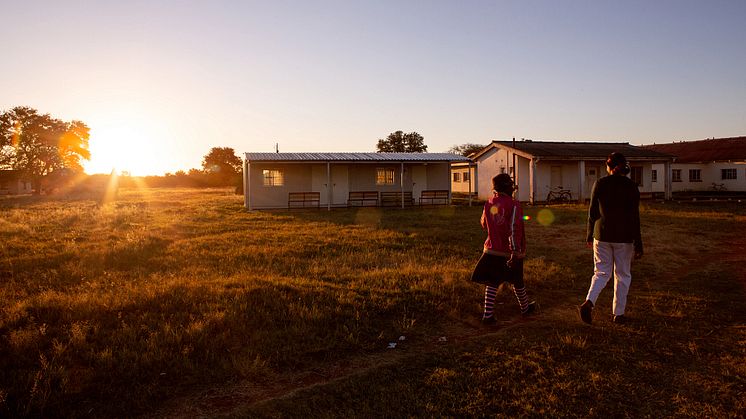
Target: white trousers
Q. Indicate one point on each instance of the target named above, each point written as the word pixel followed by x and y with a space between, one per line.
pixel 608 257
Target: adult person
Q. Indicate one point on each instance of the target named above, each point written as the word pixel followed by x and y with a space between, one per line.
pixel 504 248
pixel 614 233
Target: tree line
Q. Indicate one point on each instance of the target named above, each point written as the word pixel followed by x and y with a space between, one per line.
pixel 49 151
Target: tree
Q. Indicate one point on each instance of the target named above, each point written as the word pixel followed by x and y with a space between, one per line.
pixel 38 145
pixel 466 149
pixel 399 142
pixel 222 166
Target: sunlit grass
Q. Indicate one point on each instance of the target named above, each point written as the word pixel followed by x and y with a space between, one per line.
pixel 111 305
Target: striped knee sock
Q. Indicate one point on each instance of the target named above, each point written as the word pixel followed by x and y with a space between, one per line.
pixel 489 301
pixel 520 294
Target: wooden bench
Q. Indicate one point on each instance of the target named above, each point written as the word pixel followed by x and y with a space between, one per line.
pixel 393 199
pixel 304 199
pixel 363 199
pixel 434 197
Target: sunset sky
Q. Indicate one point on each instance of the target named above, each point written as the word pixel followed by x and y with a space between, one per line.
pixel 161 82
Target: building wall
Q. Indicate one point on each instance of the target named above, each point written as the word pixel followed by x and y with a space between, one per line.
pixel 345 177
pixel 297 178
pixel 710 173
pixel 463 186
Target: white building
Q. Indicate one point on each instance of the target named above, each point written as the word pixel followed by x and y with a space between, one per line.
pixel 539 167
pixel 717 164
pixel 281 180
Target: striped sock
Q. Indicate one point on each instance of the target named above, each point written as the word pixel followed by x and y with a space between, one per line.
pixel 520 294
pixel 489 301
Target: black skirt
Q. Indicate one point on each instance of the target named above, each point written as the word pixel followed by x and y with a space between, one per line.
pixel 493 270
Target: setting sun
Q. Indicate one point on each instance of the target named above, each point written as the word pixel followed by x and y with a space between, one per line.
pixel 125 145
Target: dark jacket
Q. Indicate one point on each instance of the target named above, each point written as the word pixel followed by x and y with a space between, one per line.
pixel 614 214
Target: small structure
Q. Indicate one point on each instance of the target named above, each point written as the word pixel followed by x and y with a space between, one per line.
pixel 717 164
pixel 12 182
pixel 541 167
pixel 284 180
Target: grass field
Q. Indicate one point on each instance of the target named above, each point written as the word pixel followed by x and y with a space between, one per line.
pixel 178 303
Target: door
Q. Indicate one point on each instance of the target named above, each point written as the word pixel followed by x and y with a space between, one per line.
pixel 318 182
pixel 340 184
pixel 555 181
pixel 419 181
pixel 591 176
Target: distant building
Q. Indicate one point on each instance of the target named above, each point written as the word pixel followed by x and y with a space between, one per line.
pixel 539 167
pixel 284 180
pixel 704 165
pixel 12 182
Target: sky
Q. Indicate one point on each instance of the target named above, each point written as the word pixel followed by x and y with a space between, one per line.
pixel 162 82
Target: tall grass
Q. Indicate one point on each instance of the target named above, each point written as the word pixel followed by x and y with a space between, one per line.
pixel 110 308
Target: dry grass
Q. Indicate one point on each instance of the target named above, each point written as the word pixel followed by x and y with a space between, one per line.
pixel 111 308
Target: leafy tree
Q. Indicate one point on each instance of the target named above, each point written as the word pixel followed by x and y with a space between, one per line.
pixel 223 166
pixel 466 149
pixel 38 145
pixel 399 142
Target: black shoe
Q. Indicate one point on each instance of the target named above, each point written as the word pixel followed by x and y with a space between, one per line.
pixel 530 309
pixel 620 319
pixel 586 311
pixel 489 321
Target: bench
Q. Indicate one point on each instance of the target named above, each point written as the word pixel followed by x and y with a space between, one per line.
pixel 393 199
pixel 434 197
pixel 363 199
pixel 304 199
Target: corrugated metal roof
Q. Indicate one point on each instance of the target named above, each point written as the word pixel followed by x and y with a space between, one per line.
pixel 585 150
pixel 352 157
pixel 716 149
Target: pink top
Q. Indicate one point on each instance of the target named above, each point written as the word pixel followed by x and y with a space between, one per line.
pixel 503 219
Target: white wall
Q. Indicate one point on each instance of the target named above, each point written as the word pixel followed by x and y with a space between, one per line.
pixel 710 173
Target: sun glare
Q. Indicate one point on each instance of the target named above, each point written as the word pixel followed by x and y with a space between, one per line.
pixel 123 146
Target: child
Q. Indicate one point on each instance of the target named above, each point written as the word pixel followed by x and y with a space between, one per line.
pixel 504 249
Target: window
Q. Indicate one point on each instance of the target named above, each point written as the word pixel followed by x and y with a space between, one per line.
pixel 273 177
pixel 676 175
pixel 457 177
pixel 654 175
pixel 728 174
pixel 466 176
pixel 695 175
pixel 385 176
pixel 636 175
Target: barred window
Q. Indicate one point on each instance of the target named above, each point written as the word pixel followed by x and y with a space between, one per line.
pixel 456 177
pixel 654 175
pixel 636 175
pixel 676 175
pixel 695 175
pixel 273 177
pixel 384 176
pixel 466 176
pixel 728 174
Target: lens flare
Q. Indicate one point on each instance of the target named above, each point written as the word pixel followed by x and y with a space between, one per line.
pixel 545 217
pixel 526 217
pixel 493 210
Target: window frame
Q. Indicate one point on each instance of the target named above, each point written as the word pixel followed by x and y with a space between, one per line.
pixel 698 177
pixel 383 178
pixel 654 175
pixel 675 175
pixel 456 177
pixel 732 171
pixel 636 174
pixel 273 178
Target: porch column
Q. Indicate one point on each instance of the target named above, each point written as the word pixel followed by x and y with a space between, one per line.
pixel 532 182
pixel 401 184
pixel 328 186
pixel 471 179
pixel 581 186
pixel 667 186
pixel 246 185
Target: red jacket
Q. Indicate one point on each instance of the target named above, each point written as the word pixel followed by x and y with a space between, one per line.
pixel 503 219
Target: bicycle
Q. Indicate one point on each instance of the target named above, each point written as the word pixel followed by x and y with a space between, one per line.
pixel 718 187
pixel 559 195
